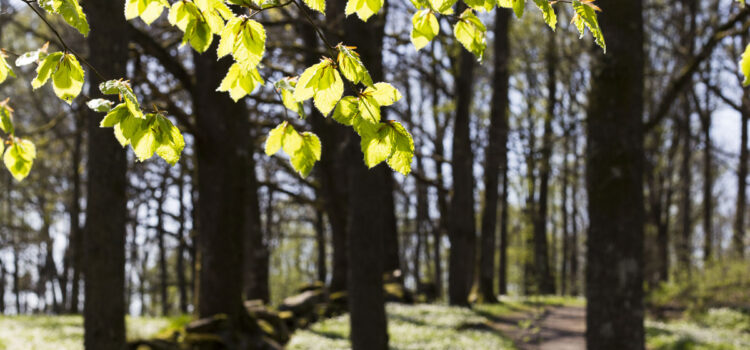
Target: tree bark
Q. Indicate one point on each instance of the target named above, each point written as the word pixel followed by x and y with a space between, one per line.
pixel 160 239
pixel 222 162
pixel 106 210
pixel 256 251
pixel 614 176
pixel 738 239
pixel 320 240
pixel 494 155
pixel 182 286
pixel 462 231
pixel 684 247
pixel 707 188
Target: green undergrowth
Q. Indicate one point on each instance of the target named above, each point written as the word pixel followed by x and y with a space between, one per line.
pixel 422 326
pixel 40 332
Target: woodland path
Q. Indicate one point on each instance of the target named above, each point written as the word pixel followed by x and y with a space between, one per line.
pixel 551 328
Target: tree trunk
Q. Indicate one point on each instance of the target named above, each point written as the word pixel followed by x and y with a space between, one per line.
pixel 222 161
pixel 494 155
pixel 461 215
pixel 182 286
pixel 256 251
pixel 371 219
pixel 439 154
pixel 106 204
pixel 574 270
pixel 614 176
pixel 76 234
pixel 320 238
pixel 544 281
pixel 684 247
pixel 738 239
pixel 564 212
pixel 163 277
pixel 707 188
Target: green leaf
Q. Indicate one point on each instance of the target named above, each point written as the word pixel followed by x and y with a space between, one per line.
pixel 148 10
pixel 307 154
pixel 346 110
pixel 6 118
pixel 745 66
pixel 239 82
pixel 303 150
pixel 5 69
pixel 470 32
pixel 100 105
pixel 481 5
pixel 586 15
pixel 443 6
pixel 376 147
pixel 323 83
pixel 245 39
pixel 363 8
pixel 32 56
pixel 287 86
pixel 125 92
pixel 144 142
pixel 115 116
pixel 547 12
pixel 71 12
pixel 317 5
pixel 425 27
pixel 67 80
pixel 518 7
pixel 45 69
pixel 351 66
pixel 403 148
pixel 19 158
pixel 385 94
pixel 170 142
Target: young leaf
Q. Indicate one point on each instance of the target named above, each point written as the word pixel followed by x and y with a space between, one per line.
pixel 303 150
pixel 5 69
pixel 364 8
pixel 6 118
pixel 286 87
pixel 169 139
pixel 245 39
pixel 351 66
pixel 19 158
pixel 71 12
pixel 148 10
pixel 67 80
pixel 239 82
pixel 481 5
pixel 518 7
pixel 317 5
pixel 307 154
pixel 547 12
pixel 100 105
pixel 32 56
pixel 470 32
pixel 425 27
pixel 125 92
pixel 323 83
pixel 586 15
pixel 403 148
pixel 376 147
pixel 45 69
pixel 443 6
pixel 745 66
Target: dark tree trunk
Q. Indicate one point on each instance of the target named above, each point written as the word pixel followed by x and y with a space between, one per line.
pixel 738 239
pixel 684 247
pixel 76 234
pixel 333 138
pixel 2 288
pixel 707 188
pixel 320 241
pixel 160 239
pixel 223 168
pixel 370 218
pixel 574 269
pixel 494 155
pixel 564 212
pixel 391 256
pixel 182 285
pixel 462 231
pixel 256 251
pixel 544 282
pixel 106 212
pixel 614 177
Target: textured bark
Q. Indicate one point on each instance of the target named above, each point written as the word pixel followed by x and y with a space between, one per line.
pixel 494 155
pixel 614 177
pixel 333 138
pixel 369 220
pixel 256 254
pixel 320 242
pixel 74 252
pixel 161 242
pixel 738 239
pixel 106 211
pixel 686 234
pixel 544 282
pixel 222 161
pixel 462 231
pixel 707 187
pixel 182 234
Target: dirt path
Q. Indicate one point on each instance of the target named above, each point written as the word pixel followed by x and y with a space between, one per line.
pixel 555 328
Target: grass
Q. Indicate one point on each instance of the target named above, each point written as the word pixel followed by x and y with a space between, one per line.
pixel 411 327
pixel 716 329
pixel 40 332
